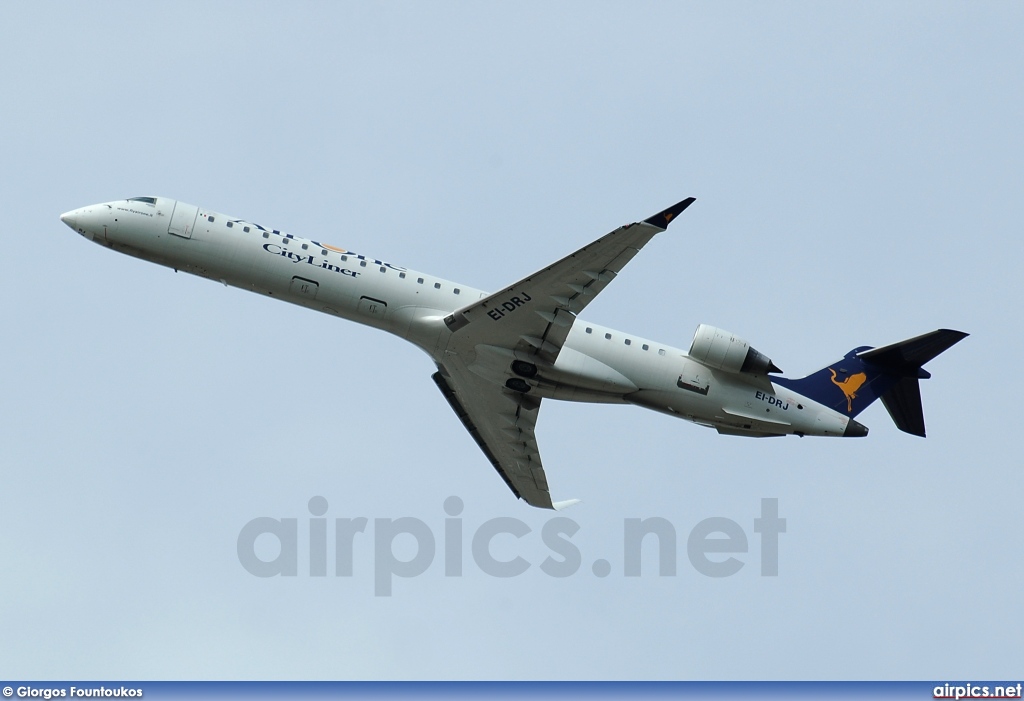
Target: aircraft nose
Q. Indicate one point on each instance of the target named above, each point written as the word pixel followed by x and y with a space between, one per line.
pixel 70 218
pixel 90 221
pixel 855 429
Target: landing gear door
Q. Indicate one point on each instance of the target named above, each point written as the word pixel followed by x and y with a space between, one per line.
pixel 183 220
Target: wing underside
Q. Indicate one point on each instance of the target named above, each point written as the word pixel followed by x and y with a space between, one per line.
pixel 502 423
pixel 528 320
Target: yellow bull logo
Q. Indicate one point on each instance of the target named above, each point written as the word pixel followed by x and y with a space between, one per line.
pixel 849 385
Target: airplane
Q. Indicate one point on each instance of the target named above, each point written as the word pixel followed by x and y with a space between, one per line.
pixel 499 355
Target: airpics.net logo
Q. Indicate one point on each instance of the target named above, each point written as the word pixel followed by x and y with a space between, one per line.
pixel 715 546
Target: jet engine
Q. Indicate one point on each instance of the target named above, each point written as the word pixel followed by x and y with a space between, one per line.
pixel 725 351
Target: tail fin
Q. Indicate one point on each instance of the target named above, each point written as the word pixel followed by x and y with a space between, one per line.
pixel 891 373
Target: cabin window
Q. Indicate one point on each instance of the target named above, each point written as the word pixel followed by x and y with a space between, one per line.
pixel 323 251
pixel 661 351
pixel 245 229
pixel 645 347
pixel 590 330
pixel 419 280
pixel 383 269
pixel 362 264
pixel 344 257
pixel 401 275
pixel 437 285
pixel 266 235
pixel 457 290
pixel 608 336
pixel 305 246
pixel 628 342
pixel 231 225
pixel 209 218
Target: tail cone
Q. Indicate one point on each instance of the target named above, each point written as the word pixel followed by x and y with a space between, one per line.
pixel 855 429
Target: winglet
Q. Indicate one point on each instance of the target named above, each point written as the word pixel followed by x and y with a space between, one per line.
pixel 662 219
pixel 559 505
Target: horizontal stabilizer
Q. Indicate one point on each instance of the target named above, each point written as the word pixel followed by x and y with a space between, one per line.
pixel 904 359
pixel 907 356
pixel 891 373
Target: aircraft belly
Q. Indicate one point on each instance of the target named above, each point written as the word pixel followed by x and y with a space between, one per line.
pixel 584 372
pixel 719 401
pixel 421 326
pixel 767 418
pixel 673 402
pixel 829 423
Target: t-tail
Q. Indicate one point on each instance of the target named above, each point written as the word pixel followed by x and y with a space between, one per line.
pixel 891 373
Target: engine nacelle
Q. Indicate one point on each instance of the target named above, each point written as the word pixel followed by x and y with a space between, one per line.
pixel 725 351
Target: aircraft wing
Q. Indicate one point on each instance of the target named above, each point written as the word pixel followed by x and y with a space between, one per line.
pixel 535 314
pixel 502 423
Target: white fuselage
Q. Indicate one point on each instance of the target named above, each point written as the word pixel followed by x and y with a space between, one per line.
pixel 596 364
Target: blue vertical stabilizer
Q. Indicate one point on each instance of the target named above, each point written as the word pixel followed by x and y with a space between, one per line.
pixel 865 374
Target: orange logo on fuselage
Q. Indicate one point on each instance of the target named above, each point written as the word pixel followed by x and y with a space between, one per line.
pixel 849 385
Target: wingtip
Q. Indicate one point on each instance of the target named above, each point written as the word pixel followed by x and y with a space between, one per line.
pixel 560 505
pixel 664 218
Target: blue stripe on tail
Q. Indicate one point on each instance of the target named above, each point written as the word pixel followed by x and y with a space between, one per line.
pixel 848 386
pixel 891 373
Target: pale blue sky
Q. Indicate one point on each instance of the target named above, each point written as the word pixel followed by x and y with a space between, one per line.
pixel 857 169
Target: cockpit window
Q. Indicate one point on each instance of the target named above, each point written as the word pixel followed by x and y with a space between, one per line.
pixel 147 200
